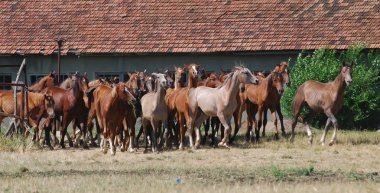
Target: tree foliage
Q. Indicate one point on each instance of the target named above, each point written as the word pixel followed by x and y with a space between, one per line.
pixel 361 109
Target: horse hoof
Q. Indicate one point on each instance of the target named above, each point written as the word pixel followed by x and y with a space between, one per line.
pixel 113 153
pixel 132 150
pixel 75 145
pixel 145 151
pixel 71 144
pixel 283 134
pixel 122 149
pixel 93 145
pixel 85 146
pixel 51 147
pixel 104 151
pixel 331 143
pixel 276 137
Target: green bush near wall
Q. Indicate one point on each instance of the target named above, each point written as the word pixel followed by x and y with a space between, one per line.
pixel 361 109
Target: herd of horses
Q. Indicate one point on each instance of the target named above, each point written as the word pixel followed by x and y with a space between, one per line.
pixel 169 105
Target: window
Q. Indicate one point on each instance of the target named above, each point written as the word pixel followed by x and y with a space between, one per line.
pixel 37 77
pixel 5 78
pixel 109 75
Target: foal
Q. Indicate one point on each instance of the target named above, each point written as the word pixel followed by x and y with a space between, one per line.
pixel 322 97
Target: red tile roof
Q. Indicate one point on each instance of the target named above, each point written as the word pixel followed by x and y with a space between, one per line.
pixel 146 26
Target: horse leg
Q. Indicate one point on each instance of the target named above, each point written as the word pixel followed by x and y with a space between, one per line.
pixel 237 119
pixel 306 121
pixel 75 124
pixel 138 135
pixel 145 129
pixel 182 130
pixel 154 135
pixel 274 119
pixel 131 127
pixel 259 121
pixel 207 128
pixel 227 129
pixel 328 122
pixel 281 118
pixel 265 120
pixel 331 116
pixel 298 102
pixel 249 122
pixel 201 119
pixel 103 143
pixel 63 129
pixel 112 139
pixel 83 125
pixel 215 124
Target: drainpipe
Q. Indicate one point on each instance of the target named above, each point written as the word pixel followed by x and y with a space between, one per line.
pixel 59 42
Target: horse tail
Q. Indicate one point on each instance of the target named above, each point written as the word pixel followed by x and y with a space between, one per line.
pixel 90 96
pixel 298 101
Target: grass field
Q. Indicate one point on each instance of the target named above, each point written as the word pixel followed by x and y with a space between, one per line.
pixel 352 165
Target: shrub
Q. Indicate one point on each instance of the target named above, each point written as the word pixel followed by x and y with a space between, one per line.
pixel 361 107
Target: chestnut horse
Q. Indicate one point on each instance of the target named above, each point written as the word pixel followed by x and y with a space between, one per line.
pixel 221 102
pixel 171 94
pixel 322 97
pixel 38 104
pixel 180 101
pixel 46 81
pixel 68 104
pixel 110 111
pixel 281 68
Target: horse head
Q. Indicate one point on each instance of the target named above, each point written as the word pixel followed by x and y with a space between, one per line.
pixel 121 90
pixel 283 69
pixel 245 76
pixel 160 79
pixel 180 75
pixel 346 72
pixel 194 71
pixel 277 82
pixel 49 104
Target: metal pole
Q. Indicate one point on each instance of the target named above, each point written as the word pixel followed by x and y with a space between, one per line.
pixel 59 42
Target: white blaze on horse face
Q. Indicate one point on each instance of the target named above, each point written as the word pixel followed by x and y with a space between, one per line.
pixel 347 75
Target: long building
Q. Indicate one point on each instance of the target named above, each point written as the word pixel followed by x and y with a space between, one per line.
pixel 111 37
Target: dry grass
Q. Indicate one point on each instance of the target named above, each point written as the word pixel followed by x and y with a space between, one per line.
pixel 352 165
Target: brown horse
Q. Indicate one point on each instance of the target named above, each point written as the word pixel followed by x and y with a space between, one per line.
pixel 46 81
pixel 69 104
pixel 110 111
pixel 322 97
pixel 281 68
pixel 171 94
pixel 38 104
pixel 263 96
pixel 180 100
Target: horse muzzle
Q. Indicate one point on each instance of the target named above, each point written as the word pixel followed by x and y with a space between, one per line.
pixel 51 114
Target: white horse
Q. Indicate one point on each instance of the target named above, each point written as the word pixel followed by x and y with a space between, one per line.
pixel 218 102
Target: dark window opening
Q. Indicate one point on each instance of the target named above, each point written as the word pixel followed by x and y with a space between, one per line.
pixel 5 78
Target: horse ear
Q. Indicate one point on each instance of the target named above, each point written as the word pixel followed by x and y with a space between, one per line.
pixel 154 75
pixel 185 65
pixel 144 71
pixel 129 74
pixel 166 71
pixel 85 74
pixel 175 68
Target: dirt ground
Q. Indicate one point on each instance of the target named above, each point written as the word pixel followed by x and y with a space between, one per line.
pixel 352 165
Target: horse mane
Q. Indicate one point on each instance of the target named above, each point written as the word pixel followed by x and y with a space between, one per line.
pixel 38 86
pixel 227 80
pixel 228 77
pixel 76 86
